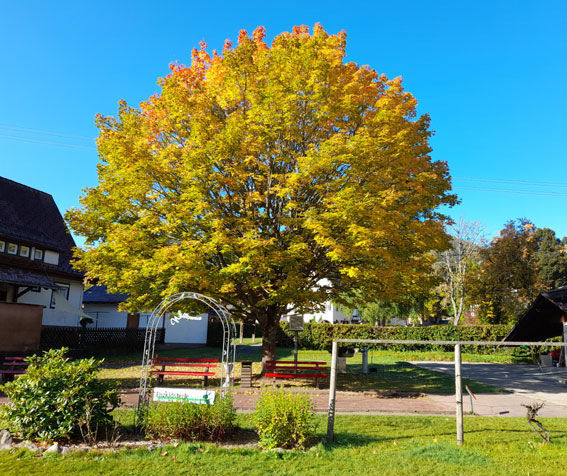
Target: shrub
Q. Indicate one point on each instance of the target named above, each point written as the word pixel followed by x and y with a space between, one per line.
pixel 319 336
pixel 191 421
pixel 56 396
pixel 284 420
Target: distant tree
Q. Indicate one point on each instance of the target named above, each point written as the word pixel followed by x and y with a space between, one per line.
pixel 508 279
pixel 454 264
pixel 416 308
pixel 551 259
pixel 260 173
pixel 379 313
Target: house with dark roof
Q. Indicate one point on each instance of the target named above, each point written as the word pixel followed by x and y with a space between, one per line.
pixel 35 258
pixel 102 306
pixel 545 318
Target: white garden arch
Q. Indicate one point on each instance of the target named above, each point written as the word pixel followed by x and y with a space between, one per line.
pixel 228 346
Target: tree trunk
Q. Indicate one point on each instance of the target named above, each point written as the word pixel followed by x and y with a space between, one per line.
pixel 270 323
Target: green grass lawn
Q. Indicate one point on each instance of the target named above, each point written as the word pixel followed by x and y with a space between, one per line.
pixel 392 372
pixel 367 445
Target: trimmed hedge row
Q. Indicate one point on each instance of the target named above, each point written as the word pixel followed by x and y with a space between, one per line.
pixel 319 336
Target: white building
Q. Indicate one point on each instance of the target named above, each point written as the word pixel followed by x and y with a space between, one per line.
pixel 102 307
pixel 331 314
pixel 35 253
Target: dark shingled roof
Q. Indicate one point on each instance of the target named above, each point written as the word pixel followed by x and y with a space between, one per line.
pixel 23 277
pixel 31 217
pixel 101 295
pixel 543 320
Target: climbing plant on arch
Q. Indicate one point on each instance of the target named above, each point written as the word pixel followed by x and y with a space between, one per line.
pixel 228 346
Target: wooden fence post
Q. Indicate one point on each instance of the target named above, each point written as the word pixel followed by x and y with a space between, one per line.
pixel 459 394
pixel 332 393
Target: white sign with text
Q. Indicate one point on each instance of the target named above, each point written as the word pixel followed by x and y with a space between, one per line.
pixel 188 395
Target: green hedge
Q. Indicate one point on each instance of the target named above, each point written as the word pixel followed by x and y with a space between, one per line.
pixel 319 336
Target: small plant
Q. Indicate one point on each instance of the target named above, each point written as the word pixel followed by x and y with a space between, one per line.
pixel 532 409
pixel 191 421
pixel 56 396
pixel 284 420
pixel 91 433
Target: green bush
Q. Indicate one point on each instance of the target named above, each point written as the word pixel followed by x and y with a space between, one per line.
pixel 56 398
pixel 191 421
pixel 284 420
pixel 319 336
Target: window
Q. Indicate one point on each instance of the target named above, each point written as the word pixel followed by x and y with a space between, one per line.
pixel 25 251
pixel 51 257
pixel 62 291
pixel 38 254
pixel 2 246
pixel 12 249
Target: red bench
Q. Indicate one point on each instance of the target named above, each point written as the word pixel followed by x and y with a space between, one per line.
pixel 162 366
pixel 292 369
pixel 13 366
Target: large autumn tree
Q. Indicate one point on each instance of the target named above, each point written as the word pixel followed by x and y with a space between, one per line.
pixel 273 178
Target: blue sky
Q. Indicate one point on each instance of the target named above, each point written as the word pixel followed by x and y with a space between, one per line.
pixel 492 74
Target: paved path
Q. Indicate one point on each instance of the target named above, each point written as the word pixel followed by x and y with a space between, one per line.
pixel 527 383
pixel 245 400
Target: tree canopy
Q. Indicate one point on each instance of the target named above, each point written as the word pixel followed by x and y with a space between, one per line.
pixel 273 177
pixel 519 263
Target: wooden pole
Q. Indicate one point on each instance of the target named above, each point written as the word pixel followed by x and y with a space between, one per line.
pixel 459 394
pixel 332 393
pixel 562 357
pixel 365 360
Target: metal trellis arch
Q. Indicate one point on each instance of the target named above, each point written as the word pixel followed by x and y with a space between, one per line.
pixel 228 346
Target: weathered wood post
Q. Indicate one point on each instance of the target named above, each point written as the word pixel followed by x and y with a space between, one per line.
pixel 332 393
pixel 459 394
pixel 365 360
pixel 562 357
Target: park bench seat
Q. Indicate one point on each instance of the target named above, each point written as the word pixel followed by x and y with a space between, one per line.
pixel 162 366
pixel 12 366
pixel 291 369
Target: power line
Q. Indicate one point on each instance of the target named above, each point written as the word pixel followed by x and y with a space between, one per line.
pixel 512 181
pixel 48 143
pixel 12 128
pixel 519 192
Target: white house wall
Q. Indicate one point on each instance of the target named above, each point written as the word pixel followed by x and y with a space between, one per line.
pixel 187 331
pixel 330 314
pixel 106 315
pixel 55 317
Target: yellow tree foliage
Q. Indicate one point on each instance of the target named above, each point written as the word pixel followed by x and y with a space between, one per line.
pixel 271 177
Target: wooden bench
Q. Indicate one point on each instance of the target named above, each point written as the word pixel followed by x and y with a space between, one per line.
pixel 292 369
pixel 13 366
pixel 160 366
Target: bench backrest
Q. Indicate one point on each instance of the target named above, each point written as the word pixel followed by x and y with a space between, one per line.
pixel 293 362
pixel 157 358
pixel 15 361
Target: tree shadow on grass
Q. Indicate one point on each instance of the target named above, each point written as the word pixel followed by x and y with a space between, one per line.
pixel 345 438
pixel 404 377
pixel 555 435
